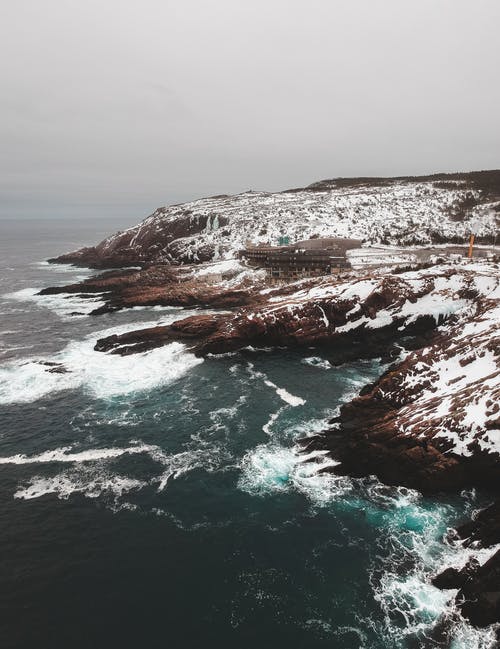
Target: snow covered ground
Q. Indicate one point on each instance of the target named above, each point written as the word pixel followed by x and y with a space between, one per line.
pixel 448 392
pixel 228 272
pixel 459 401
pixel 398 213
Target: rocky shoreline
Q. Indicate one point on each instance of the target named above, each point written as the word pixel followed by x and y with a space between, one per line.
pixel 431 422
pixel 414 426
pixel 478 595
pixel 156 285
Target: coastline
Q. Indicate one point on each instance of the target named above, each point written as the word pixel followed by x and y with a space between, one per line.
pixel 418 315
pixel 429 321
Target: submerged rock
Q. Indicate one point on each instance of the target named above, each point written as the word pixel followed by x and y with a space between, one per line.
pixel 54 368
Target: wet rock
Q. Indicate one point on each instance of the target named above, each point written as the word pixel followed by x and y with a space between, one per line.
pixel 188 331
pixel 58 370
pixel 484 528
pixel 53 367
pixel 455 578
pixel 479 598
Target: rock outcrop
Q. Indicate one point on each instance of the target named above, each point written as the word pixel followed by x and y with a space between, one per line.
pixel 431 422
pixel 362 313
pixel 163 285
pixel 478 585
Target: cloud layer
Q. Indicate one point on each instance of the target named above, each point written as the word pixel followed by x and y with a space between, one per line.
pixel 126 105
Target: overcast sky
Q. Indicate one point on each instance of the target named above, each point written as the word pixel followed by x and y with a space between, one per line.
pixel 117 106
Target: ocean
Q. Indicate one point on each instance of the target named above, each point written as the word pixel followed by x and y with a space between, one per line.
pixel 157 500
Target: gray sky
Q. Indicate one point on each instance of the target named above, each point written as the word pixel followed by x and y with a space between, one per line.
pixel 118 106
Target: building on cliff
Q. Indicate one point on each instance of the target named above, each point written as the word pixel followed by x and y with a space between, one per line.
pixel 309 258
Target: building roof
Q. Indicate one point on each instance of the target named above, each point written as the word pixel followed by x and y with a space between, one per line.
pixel 325 243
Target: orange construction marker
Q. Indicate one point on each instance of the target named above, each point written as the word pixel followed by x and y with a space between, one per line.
pixel 471 245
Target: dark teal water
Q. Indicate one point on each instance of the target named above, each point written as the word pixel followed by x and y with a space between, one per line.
pixel 159 501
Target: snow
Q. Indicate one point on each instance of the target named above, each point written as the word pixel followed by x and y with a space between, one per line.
pixel 437 304
pixel 448 392
pixel 228 267
pixel 377 256
pixel 324 319
pixel 463 384
pixel 398 213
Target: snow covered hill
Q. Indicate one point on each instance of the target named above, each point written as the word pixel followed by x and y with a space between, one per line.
pixel 398 212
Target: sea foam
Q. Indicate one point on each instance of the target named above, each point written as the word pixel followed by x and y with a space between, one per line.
pixel 271 468
pixel 316 361
pixel 91 471
pixel 101 375
pixel 88 483
pixel 415 539
pixel 65 455
pixel 66 305
pixel 288 398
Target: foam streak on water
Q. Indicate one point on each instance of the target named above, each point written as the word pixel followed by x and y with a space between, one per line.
pixel 91 471
pixel 91 483
pixel 65 455
pixel 288 398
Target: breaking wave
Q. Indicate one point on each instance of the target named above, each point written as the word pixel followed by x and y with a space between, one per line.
pixel 66 305
pixel 316 361
pixel 415 548
pixel 65 455
pixel 411 541
pixel 271 468
pixel 102 375
pixel 412 536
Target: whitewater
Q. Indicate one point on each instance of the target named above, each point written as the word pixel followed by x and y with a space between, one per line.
pixel 163 498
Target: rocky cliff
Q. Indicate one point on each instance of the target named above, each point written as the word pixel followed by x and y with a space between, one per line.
pixel 338 312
